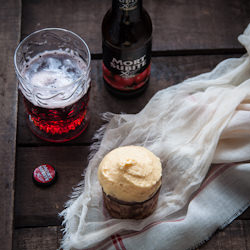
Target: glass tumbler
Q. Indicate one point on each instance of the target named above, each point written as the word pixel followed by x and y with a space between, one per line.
pixel 53 69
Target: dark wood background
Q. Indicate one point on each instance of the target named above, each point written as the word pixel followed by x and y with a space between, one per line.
pixel 190 37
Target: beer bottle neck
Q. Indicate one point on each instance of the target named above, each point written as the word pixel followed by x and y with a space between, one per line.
pixel 127 10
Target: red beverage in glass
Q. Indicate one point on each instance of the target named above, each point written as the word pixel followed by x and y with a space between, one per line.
pixel 60 121
pixel 58 113
pixel 53 68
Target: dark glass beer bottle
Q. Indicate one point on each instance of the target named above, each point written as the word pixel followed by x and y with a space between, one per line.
pixel 127 44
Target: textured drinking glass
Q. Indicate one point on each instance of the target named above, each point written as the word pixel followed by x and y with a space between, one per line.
pixel 53 69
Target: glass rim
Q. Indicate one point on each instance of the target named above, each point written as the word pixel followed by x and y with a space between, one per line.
pixel 51 29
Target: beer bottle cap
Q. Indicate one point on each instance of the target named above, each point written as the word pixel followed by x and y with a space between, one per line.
pixel 44 175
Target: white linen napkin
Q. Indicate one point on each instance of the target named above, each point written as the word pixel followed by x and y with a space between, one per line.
pixel 201 121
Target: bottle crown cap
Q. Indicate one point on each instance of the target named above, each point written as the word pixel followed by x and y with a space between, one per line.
pixel 44 175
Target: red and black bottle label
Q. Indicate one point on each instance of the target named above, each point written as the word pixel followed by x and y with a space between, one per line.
pixel 126 70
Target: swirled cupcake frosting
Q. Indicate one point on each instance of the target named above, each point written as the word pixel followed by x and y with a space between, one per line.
pixel 130 173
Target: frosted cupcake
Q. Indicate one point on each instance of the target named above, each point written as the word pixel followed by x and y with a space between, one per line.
pixel 130 177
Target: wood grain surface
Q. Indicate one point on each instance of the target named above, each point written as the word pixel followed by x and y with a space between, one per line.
pixel 190 37
pixel 234 237
pixel 166 71
pixel 41 238
pixel 41 206
pixel 71 158
pixel 177 25
pixel 9 36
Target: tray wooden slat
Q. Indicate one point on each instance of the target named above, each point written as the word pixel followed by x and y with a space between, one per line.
pixel 10 16
pixel 41 206
pixel 41 238
pixel 166 71
pixel 180 28
pixel 235 236
pixel 178 25
pixel 36 206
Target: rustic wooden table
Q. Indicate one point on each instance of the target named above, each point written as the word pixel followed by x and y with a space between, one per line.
pixel 190 37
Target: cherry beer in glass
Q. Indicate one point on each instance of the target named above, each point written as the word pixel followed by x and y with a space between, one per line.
pixel 127 42
pixel 53 66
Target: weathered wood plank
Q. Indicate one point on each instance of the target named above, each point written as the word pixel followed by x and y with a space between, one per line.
pixel 245 215
pixel 41 238
pixel 10 18
pixel 235 236
pixel 36 206
pixel 178 25
pixel 165 72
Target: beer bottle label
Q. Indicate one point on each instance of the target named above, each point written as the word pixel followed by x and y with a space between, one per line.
pixel 126 70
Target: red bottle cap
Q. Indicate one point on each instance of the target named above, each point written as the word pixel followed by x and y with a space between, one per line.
pixel 44 175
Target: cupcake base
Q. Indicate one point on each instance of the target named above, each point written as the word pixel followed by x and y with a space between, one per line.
pixel 130 210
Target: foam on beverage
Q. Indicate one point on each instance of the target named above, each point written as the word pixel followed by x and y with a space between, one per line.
pixel 51 74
